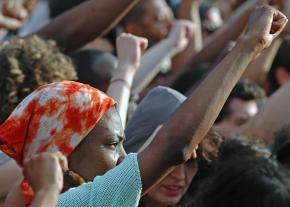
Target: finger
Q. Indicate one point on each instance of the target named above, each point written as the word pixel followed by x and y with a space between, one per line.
pixel 190 29
pixel 143 44
pixel 15 10
pixel 9 23
pixel 278 27
pixel 277 15
pixel 62 161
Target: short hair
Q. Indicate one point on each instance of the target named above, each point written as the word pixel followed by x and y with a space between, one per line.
pixel 281 60
pixel 26 64
pixel 244 90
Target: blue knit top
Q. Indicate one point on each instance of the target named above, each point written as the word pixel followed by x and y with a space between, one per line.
pixel 120 187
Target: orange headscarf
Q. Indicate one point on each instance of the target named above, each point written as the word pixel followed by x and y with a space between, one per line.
pixel 55 117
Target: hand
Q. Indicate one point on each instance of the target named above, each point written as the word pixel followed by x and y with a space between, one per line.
pixel 14 9
pixel 45 171
pixel 265 24
pixel 130 49
pixel 181 33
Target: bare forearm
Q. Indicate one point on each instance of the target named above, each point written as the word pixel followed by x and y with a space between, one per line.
pixel 45 198
pixel 120 89
pixel 86 22
pixel 230 31
pixel 196 42
pixel 274 115
pixel 150 64
pixel 196 116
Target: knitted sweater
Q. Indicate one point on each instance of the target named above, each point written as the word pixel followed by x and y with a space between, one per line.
pixel 120 187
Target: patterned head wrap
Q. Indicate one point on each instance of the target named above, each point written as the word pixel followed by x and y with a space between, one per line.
pixel 55 117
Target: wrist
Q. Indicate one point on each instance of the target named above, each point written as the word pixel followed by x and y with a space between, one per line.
pixel 127 64
pixel 251 44
pixel 124 72
pixel 172 45
pixel 53 189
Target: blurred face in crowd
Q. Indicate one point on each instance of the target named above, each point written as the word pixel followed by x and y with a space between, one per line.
pixel 157 21
pixel 101 150
pixel 170 190
pixel 240 112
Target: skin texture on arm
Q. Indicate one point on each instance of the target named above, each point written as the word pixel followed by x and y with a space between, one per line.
pixel 189 10
pixel 257 71
pixel 273 116
pixel 176 42
pixel 129 49
pixel 177 139
pixel 10 173
pixel 213 45
pixel 86 22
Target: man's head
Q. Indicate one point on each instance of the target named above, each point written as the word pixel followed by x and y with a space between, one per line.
pixel 26 64
pixel 151 19
pixel 280 71
pixel 241 105
pixel 95 68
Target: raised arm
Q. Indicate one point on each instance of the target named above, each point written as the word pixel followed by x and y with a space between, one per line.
pixel 176 141
pixel 189 10
pixel 150 63
pixel 216 42
pixel 129 49
pixel 273 116
pixel 86 22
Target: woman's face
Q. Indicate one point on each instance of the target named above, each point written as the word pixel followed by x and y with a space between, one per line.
pixel 170 190
pixel 101 150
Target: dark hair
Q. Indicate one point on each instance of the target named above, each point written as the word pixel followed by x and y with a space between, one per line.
pixel 58 7
pixel 245 175
pixel 26 64
pixel 191 78
pixel 247 181
pixel 281 60
pixel 244 90
pixel 95 67
pixel 281 146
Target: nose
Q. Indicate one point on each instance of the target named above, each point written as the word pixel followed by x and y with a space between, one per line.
pixel 122 155
pixel 179 172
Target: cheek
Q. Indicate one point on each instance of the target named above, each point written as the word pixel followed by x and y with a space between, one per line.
pixel 105 160
pixel 191 171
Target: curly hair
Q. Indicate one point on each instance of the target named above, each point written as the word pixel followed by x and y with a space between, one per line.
pixel 26 64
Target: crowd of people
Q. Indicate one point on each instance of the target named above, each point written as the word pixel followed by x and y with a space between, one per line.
pixel 144 103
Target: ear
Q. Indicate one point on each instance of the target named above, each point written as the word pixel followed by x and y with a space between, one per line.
pixel 282 76
pixel 134 28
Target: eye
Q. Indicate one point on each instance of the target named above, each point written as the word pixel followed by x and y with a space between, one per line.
pixel 112 145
